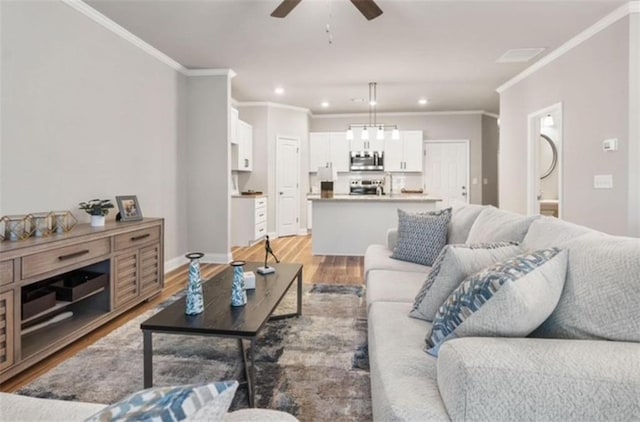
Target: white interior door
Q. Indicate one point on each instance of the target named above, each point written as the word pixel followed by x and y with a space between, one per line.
pixel 287 175
pixel 446 170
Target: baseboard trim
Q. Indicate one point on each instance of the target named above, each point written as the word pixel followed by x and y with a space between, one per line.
pixel 216 258
pixel 303 232
pixel 174 263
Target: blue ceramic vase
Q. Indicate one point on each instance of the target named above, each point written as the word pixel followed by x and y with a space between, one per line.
pixel 238 291
pixel 195 300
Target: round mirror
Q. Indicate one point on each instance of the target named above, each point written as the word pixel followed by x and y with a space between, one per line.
pixel 548 156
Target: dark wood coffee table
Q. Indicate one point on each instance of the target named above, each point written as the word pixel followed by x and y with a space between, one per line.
pixel 223 320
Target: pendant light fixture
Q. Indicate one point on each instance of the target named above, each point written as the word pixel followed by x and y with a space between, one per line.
pixel 373 128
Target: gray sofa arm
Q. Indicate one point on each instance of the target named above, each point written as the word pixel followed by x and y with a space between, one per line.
pixel 508 379
pixel 392 238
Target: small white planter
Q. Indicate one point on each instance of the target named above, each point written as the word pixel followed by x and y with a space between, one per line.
pixel 97 220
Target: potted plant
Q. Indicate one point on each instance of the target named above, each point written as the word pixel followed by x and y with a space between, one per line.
pixel 97 209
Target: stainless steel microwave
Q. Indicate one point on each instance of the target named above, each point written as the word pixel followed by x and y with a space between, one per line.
pixel 367 161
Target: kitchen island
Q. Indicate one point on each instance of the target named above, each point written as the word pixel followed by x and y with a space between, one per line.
pixel 347 224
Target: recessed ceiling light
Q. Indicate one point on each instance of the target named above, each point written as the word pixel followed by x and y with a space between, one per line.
pixel 372 102
pixel 325 104
pixel 279 90
pixel 423 101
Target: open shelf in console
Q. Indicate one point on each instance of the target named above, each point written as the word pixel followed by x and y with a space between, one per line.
pixel 84 304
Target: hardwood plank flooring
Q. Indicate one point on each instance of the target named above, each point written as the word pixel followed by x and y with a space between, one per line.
pixel 317 269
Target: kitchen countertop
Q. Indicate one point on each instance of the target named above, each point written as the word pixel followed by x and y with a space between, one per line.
pixel 395 197
pixel 262 195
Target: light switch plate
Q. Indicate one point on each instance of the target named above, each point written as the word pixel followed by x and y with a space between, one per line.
pixel 603 181
pixel 610 144
pixel 474 181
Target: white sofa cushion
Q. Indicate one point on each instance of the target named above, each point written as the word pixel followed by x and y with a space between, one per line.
pixel 16 408
pixel 453 265
pixel 509 299
pixel 547 232
pixel 378 257
pixel 494 225
pixel 393 286
pixel 462 219
pixel 601 296
pixel 523 379
pixel 403 377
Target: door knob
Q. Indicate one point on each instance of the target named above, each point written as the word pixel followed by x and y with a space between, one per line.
pixel 464 193
pixel 281 193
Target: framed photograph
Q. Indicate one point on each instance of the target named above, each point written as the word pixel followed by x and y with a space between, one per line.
pixel 129 208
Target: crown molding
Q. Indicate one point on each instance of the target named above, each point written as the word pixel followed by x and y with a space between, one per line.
pixel 494 115
pixel 406 113
pixel 605 22
pixel 107 23
pixel 274 105
pixel 209 72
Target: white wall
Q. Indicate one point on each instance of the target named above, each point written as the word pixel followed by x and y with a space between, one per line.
pixel 592 83
pixel 84 115
pixel 634 125
pixel 434 126
pixel 208 167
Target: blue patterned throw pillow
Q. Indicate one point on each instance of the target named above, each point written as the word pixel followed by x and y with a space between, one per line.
pixel 508 299
pixel 170 404
pixel 421 236
pixel 451 267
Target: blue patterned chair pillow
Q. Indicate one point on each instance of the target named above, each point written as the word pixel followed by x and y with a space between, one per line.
pixel 451 267
pixel 421 236
pixel 167 404
pixel 508 299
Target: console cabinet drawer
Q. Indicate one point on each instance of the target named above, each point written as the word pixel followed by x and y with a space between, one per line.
pixel 62 257
pixel 6 272
pixel 138 237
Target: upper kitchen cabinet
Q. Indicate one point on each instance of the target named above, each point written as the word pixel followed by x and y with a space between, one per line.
pixel 328 149
pixel 242 150
pixel 372 144
pixel 405 154
pixel 233 126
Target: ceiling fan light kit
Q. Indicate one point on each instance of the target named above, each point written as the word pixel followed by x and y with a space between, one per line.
pixel 368 8
pixel 373 125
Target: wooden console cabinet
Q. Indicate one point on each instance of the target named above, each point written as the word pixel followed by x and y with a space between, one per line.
pixel 127 257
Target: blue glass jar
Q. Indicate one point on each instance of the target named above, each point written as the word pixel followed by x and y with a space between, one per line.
pixel 238 291
pixel 195 299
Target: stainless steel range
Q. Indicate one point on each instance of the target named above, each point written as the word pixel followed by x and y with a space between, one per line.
pixel 360 186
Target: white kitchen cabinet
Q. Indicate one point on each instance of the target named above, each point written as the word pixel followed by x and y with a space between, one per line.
pixel 328 149
pixel 404 154
pixel 233 126
pixel 373 144
pixel 248 220
pixel 242 151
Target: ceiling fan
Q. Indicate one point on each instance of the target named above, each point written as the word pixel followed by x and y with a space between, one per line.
pixel 368 8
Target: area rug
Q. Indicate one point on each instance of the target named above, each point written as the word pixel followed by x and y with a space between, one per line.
pixel 314 367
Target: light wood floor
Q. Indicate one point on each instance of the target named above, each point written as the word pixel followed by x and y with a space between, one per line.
pixel 316 269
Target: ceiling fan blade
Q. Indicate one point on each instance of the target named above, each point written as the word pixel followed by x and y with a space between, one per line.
pixel 368 8
pixel 284 8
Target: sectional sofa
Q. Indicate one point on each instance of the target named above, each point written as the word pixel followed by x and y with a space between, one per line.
pixel 582 364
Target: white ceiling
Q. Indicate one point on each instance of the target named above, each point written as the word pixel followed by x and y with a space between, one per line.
pixel 444 50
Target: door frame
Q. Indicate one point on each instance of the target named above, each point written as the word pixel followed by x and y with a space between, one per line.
pixel 467 144
pixel 533 146
pixel 276 204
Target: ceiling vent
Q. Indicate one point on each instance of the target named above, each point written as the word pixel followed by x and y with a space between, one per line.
pixel 519 55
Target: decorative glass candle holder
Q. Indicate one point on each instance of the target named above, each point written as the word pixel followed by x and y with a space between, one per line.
pixel 18 227
pixel 195 299
pixel 2 227
pixel 64 221
pixel 238 292
pixel 43 223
